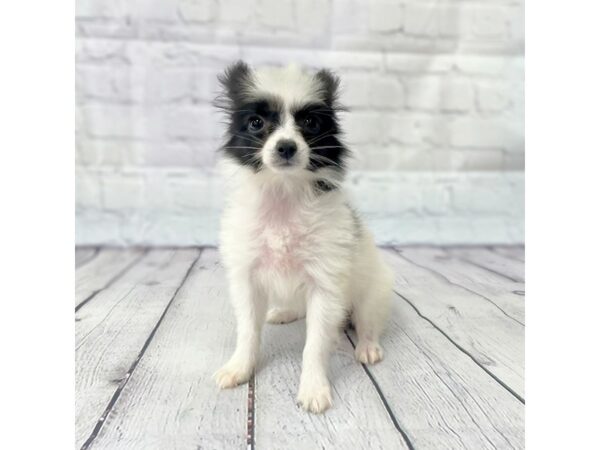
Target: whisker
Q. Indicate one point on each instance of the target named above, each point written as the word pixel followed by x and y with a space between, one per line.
pixel 320 137
pixel 322 147
pixel 250 138
pixel 327 160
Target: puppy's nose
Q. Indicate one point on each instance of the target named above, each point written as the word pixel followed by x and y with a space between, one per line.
pixel 286 149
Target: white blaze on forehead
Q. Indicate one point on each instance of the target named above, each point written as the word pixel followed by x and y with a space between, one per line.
pixel 291 84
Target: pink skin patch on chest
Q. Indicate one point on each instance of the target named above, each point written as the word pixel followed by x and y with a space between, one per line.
pixel 278 234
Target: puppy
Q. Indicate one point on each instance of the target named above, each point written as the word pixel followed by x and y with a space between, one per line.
pixel 291 244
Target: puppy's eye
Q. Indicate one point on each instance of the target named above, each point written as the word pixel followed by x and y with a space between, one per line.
pixel 255 123
pixel 311 124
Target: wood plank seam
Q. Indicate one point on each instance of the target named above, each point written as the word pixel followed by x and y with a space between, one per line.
pixel 439 274
pixel 462 349
pixel 112 280
pixel 127 376
pixel 506 255
pixel 516 280
pixel 90 258
pixel 383 399
pixel 250 440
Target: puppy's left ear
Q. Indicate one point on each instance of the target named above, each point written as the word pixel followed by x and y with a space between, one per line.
pixel 330 84
pixel 236 80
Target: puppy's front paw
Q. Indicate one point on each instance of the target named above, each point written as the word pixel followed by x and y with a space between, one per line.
pixel 232 374
pixel 368 352
pixel 315 397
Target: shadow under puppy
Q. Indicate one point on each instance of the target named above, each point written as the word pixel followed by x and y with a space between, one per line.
pixel 290 242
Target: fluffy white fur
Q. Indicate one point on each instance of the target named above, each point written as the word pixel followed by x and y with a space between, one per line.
pixel 291 252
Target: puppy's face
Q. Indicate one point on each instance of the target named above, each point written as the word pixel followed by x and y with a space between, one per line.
pixel 283 120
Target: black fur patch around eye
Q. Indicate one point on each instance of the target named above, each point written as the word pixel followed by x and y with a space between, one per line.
pixel 243 144
pixel 326 150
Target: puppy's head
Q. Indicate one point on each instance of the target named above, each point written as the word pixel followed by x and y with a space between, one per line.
pixel 284 121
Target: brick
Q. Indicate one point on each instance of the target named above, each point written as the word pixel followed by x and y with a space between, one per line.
pixel 175 154
pixel 197 11
pixel 404 129
pixel 434 131
pixel 237 11
pixel 96 51
pixel 363 127
pixel 114 121
pixel 364 90
pixel 476 160
pixel 112 84
pixel 493 97
pixel 489 65
pixel 421 19
pixel 353 92
pixel 386 16
pixel 423 93
pixel 205 86
pixel 514 161
pixel 481 133
pixel 419 64
pixel 154 10
pixel 490 22
pixel 434 20
pixel 353 19
pixel 171 84
pixel 106 9
pixel 121 192
pixel 436 199
pixel 190 122
pixel 386 93
pixel 314 16
pixel 482 199
pixel 345 60
pixel 87 190
pixel 112 152
pixel 456 95
pixel 276 14
pixel 413 159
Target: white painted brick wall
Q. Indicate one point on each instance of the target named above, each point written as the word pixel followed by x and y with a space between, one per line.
pixel 435 90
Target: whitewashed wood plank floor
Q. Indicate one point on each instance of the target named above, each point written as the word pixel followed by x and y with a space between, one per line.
pixel 152 325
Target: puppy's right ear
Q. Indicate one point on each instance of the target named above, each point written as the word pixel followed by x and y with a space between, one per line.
pixel 236 81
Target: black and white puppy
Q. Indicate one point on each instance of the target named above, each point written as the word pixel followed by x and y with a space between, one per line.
pixel 290 242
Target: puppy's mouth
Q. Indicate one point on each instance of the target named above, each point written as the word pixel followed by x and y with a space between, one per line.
pixel 285 164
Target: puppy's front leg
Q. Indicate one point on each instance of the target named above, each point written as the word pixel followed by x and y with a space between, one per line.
pixel 250 309
pixel 324 317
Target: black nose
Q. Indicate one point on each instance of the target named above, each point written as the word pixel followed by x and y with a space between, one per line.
pixel 286 149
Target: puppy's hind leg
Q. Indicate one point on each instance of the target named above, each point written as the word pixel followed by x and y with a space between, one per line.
pixel 250 307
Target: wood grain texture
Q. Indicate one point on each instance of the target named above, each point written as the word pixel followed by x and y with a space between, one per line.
pixel 507 295
pixel 439 396
pixel 491 338
pixel 511 251
pixel 170 401
pixel 104 268
pixel 493 261
pixel 84 255
pixel 111 330
pixel 357 419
